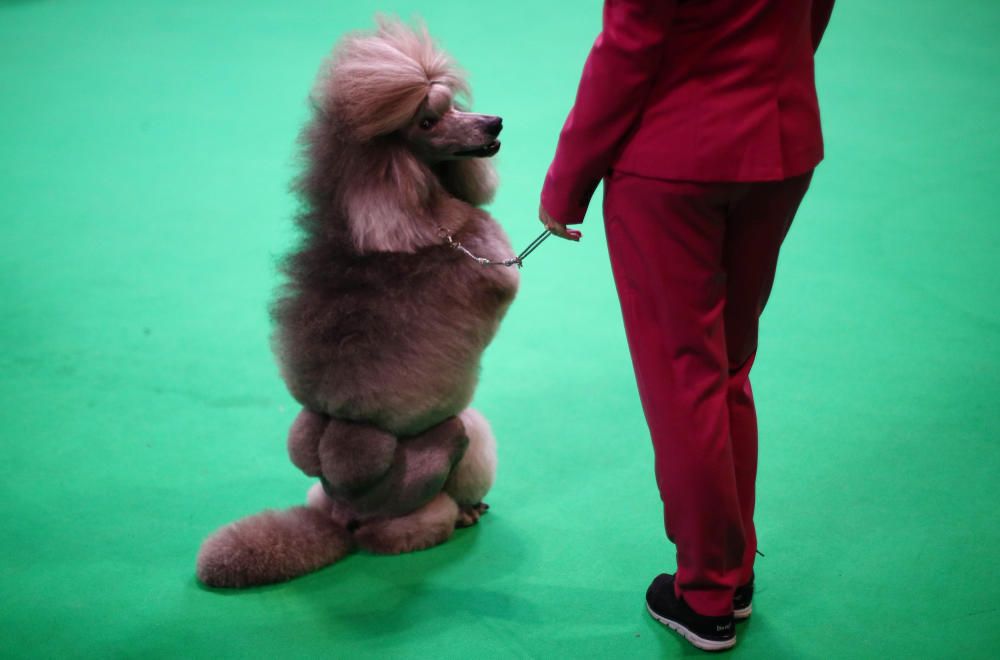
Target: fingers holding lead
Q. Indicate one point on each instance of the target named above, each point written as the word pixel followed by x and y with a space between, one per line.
pixel 556 227
pixel 562 231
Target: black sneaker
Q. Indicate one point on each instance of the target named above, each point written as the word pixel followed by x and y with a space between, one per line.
pixel 709 633
pixel 741 601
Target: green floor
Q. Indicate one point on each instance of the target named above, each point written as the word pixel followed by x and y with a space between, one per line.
pixel 145 152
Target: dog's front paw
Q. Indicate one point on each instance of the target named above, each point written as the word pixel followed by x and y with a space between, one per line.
pixel 469 516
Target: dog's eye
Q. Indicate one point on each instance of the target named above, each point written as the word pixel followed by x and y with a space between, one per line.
pixel 427 123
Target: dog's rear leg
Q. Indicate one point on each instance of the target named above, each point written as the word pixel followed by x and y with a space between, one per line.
pixel 472 477
pixel 426 527
pixel 272 546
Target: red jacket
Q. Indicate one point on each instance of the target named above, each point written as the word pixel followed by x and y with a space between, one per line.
pixel 696 90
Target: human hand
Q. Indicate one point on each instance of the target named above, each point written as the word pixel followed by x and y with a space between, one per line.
pixel 556 227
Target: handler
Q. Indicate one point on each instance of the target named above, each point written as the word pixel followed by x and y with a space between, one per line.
pixel 701 118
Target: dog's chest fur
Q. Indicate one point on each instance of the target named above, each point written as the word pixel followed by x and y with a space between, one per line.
pixel 395 339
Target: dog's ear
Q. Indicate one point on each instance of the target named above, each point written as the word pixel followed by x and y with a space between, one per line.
pixel 388 203
pixel 473 180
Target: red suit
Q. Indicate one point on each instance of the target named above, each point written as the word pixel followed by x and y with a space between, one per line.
pixel 701 117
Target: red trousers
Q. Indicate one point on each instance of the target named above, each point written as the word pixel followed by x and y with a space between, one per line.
pixel 694 264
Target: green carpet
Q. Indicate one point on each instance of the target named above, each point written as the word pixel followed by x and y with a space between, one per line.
pixel 145 154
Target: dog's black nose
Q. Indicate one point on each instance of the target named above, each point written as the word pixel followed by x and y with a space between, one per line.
pixel 494 125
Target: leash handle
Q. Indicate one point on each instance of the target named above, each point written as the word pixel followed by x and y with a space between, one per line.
pixel 531 248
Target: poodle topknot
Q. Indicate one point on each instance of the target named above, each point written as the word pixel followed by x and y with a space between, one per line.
pixel 375 83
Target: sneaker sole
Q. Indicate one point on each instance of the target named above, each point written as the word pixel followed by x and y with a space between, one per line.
pixel 699 642
pixel 743 613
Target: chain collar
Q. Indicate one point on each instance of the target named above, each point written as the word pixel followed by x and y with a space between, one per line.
pixel 514 261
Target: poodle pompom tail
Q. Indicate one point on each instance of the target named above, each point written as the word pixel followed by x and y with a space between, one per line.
pixel 270 547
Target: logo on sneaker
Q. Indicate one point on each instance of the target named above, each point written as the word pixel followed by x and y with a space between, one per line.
pixel 719 628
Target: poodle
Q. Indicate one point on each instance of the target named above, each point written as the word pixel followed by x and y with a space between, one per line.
pixel 381 325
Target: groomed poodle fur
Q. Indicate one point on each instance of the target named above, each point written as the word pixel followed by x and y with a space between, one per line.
pixel 380 328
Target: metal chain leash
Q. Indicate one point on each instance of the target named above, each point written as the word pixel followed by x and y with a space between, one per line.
pixel 515 261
